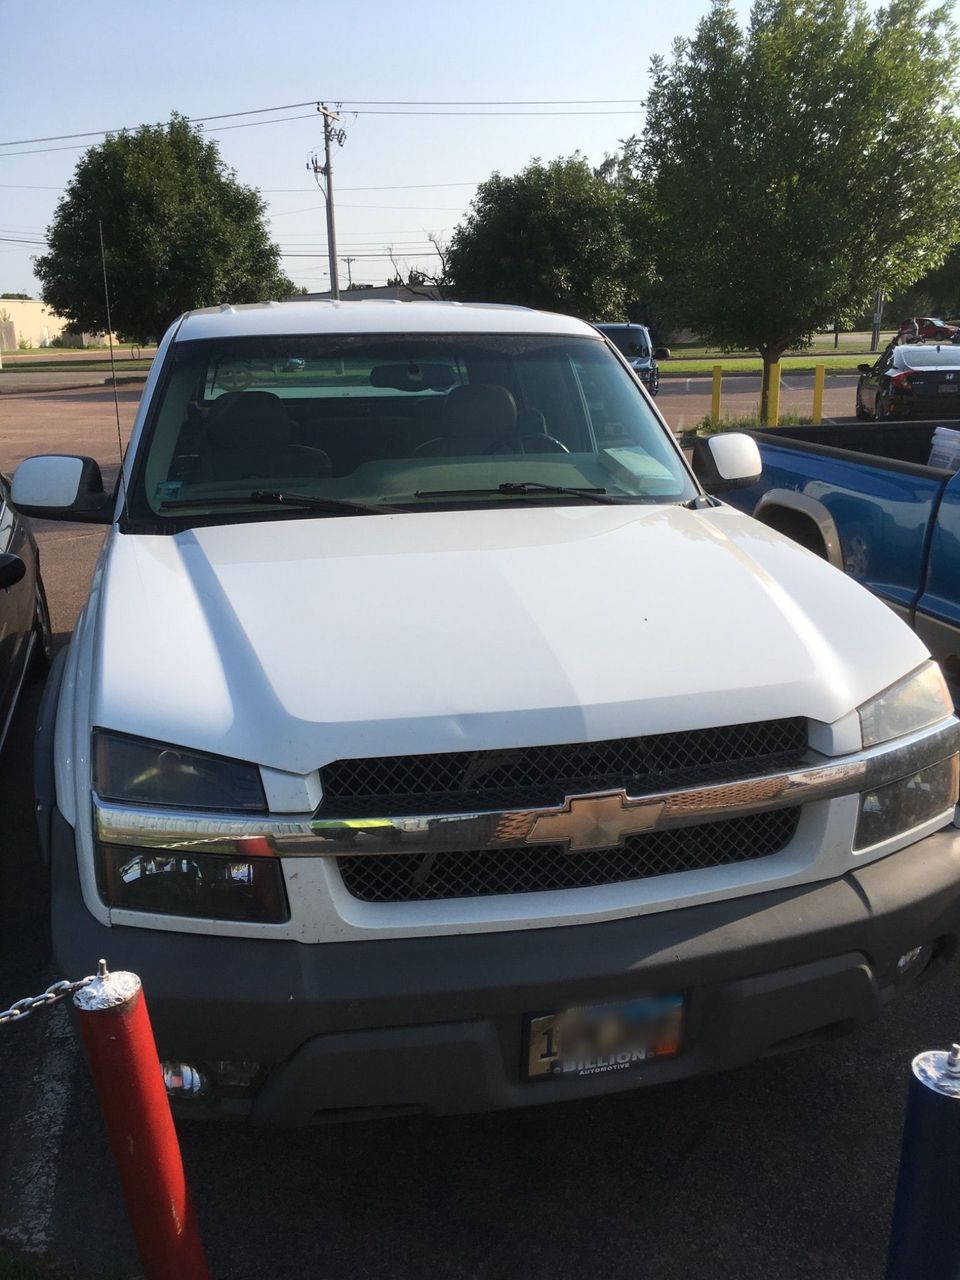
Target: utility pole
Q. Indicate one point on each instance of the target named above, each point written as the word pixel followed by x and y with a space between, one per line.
pixel 877 318
pixel 348 261
pixel 330 135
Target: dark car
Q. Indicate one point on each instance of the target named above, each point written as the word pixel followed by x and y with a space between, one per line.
pixel 634 342
pixel 24 618
pixel 911 381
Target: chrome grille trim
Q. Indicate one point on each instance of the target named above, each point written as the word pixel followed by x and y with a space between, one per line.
pixel 309 836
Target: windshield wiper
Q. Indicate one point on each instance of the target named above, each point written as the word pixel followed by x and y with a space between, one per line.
pixel 519 489
pixel 279 498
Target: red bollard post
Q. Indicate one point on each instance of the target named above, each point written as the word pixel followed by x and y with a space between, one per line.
pixel 122 1053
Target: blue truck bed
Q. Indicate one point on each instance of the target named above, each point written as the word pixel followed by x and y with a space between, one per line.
pixel 863 497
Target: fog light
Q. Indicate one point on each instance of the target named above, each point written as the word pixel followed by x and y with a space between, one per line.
pixel 212 885
pixel 890 811
pixel 181 1080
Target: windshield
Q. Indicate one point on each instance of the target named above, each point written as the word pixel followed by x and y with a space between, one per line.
pixel 412 422
pixel 632 342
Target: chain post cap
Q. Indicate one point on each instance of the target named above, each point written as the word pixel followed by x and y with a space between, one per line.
pixel 952 1064
pixel 107 990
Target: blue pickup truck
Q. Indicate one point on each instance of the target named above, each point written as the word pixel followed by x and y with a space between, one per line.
pixel 864 498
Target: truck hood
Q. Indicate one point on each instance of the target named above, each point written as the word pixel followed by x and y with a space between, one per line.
pixel 295 642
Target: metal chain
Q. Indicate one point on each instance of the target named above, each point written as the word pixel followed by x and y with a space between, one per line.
pixel 57 991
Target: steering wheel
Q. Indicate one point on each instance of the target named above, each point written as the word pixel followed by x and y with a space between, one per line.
pixel 553 444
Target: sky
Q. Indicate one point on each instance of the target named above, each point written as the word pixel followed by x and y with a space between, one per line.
pixel 69 69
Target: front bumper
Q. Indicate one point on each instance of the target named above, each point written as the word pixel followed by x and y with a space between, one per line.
pixel 435 1024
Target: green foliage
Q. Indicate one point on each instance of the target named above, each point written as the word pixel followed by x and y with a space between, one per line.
pixel 935 294
pixel 551 237
pixel 798 166
pixel 180 232
pixel 22 297
pixel 745 422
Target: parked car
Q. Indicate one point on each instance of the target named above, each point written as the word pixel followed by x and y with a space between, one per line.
pixel 866 499
pixel 635 343
pixel 931 328
pixel 24 618
pixel 911 381
pixel 432 738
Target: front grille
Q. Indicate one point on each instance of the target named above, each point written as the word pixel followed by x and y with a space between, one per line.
pixel 404 877
pixel 531 777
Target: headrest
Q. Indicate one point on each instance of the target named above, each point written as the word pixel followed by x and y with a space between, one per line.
pixel 249 420
pixel 480 409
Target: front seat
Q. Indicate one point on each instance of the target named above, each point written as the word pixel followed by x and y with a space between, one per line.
pixel 477 418
pixel 249 437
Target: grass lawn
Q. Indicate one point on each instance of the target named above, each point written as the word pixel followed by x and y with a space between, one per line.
pixel 854 343
pixel 74 366
pixel 680 366
pixel 853 349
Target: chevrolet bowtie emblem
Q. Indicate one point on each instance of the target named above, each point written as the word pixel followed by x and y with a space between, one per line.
pixel 586 823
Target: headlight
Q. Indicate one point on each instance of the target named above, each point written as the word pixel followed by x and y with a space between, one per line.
pixel 919 700
pixel 137 771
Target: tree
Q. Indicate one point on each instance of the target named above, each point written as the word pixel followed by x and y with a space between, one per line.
pixel 549 237
pixel 800 166
pixel 431 284
pixel 935 294
pixel 180 232
pixel 24 297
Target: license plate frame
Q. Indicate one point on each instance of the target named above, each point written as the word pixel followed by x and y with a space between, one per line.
pixel 945 387
pixel 626 1034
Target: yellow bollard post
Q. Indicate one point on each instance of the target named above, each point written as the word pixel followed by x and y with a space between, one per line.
pixel 773 396
pixel 715 399
pixel 818 376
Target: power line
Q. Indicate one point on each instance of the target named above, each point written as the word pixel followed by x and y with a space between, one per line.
pixel 416 253
pixel 401 186
pixel 249 124
pixel 635 111
pixel 491 102
pixel 357 102
pixel 99 133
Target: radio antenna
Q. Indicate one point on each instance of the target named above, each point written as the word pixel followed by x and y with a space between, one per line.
pixel 113 367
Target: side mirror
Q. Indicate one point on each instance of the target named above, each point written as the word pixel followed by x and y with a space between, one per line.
pixel 661 353
pixel 60 486
pixel 864 368
pixel 730 460
pixel 12 570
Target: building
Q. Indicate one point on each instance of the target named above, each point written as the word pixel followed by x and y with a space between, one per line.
pixel 30 321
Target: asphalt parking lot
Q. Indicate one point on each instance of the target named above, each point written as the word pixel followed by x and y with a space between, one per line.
pixel 785 1168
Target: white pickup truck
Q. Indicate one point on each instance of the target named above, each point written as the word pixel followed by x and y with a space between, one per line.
pixel 432 738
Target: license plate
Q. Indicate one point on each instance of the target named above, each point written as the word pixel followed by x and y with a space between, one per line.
pixel 596 1039
pixel 949 387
